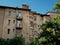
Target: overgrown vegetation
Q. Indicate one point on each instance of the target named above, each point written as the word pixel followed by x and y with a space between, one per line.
pixel 51 32
pixel 14 41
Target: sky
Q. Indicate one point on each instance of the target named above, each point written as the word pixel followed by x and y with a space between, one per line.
pixel 40 6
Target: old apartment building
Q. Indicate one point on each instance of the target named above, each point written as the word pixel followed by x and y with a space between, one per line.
pixel 16 21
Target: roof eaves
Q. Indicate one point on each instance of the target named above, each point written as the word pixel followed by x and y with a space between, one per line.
pixel 14 8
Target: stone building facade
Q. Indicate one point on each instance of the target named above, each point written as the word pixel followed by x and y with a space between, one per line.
pixel 16 21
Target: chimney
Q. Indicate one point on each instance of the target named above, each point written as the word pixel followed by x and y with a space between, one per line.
pixel 24 6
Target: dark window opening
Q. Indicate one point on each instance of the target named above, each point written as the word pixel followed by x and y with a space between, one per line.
pixel 9 13
pixel 31 24
pixel 9 22
pixel 35 25
pixel 34 18
pixel 30 17
pixel 8 31
pixel 13 21
pixel 13 30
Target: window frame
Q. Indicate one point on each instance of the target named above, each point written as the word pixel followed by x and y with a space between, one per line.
pixel 13 21
pixel 9 13
pixel 35 18
pixel 9 22
pixel 8 31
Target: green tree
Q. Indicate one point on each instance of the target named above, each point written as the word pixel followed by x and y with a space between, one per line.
pixel 57 7
pixel 46 36
pixel 2 41
pixel 34 42
pixel 51 31
pixel 17 41
pixel 14 41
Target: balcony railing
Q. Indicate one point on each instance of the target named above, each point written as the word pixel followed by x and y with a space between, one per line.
pixel 19 17
pixel 19 26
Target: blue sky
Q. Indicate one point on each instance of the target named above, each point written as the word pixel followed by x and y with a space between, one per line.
pixel 40 6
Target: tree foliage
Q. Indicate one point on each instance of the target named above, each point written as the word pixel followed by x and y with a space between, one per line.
pixel 51 31
pixel 14 41
pixel 57 7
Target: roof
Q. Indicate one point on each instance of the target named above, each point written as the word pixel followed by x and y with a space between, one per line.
pixel 14 8
pixel 44 15
pixel 24 9
pixel 39 14
pixel 36 13
pixel 52 12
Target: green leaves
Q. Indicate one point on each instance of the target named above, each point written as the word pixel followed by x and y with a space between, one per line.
pixel 17 41
pixel 47 26
pixel 14 41
pixel 48 33
pixel 2 41
pixel 57 7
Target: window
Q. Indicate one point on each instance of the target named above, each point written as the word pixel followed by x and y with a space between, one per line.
pixel 7 38
pixel 19 14
pixel 31 23
pixel 14 11
pixel 13 21
pixel 38 25
pixel 8 31
pixel 35 25
pixel 9 13
pixel 9 22
pixel 41 18
pixel 34 18
pixel 27 33
pixel 31 17
pixel 19 32
pixel 13 30
pixel 35 34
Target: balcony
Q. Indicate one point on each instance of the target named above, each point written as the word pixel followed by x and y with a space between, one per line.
pixel 19 26
pixel 19 17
